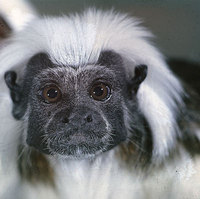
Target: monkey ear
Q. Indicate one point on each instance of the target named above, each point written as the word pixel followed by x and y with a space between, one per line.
pixel 139 77
pixel 15 90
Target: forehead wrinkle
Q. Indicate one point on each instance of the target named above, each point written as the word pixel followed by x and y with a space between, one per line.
pixel 104 70
pixel 60 71
pixel 75 76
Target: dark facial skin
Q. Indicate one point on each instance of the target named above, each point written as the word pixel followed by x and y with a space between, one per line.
pixel 75 112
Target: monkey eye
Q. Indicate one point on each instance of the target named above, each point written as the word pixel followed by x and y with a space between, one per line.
pixel 51 94
pixel 100 91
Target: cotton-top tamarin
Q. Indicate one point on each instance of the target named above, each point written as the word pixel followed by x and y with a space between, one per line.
pixel 89 109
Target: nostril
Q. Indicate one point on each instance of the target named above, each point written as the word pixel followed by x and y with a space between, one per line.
pixel 65 120
pixel 88 118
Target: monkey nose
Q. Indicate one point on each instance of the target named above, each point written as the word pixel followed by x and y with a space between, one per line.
pixel 85 118
pixel 88 118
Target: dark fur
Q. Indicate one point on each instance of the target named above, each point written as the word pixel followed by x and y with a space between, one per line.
pixel 189 116
pixel 5 29
pixel 34 167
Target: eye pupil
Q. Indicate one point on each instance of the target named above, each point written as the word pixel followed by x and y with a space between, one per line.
pixel 98 91
pixel 52 93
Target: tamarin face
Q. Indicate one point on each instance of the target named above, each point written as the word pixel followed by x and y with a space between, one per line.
pixel 77 111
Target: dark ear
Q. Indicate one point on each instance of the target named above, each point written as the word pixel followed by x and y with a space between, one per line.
pixel 139 77
pixel 15 91
pixel 16 94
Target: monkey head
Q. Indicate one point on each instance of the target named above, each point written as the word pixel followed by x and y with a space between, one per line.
pixel 72 111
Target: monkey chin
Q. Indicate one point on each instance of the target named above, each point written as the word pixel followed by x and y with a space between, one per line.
pixel 76 152
pixel 79 156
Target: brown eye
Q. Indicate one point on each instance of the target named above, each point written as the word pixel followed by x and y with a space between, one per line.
pixel 51 94
pixel 100 92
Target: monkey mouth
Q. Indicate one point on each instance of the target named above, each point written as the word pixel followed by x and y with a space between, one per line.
pixel 78 138
pixel 77 145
